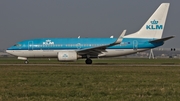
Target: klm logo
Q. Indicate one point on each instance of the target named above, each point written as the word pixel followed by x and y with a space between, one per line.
pixel 65 56
pixel 154 25
pixel 48 42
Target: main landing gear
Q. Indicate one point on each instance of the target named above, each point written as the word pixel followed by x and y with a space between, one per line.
pixel 88 61
pixel 26 62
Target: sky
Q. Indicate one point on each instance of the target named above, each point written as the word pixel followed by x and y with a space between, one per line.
pixel 29 19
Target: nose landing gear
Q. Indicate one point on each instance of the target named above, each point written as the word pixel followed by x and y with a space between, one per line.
pixel 26 62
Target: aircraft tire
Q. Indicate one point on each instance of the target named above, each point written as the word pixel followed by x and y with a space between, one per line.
pixel 88 61
pixel 26 62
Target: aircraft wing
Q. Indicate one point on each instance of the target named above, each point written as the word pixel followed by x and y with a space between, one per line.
pixel 99 49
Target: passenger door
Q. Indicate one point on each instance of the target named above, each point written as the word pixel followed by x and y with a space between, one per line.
pixel 30 45
pixel 135 44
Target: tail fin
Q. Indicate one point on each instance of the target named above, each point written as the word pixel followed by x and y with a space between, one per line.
pixel 154 26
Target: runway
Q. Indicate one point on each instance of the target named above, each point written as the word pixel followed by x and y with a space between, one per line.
pixel 96 65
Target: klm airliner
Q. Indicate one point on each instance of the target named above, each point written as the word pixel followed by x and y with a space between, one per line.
pixel 72 49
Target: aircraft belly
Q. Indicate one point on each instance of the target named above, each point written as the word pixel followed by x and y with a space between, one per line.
pixel 121 52
pixel 34 53
pixel 42 53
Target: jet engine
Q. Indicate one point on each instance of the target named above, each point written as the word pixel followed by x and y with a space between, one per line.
pixel 67 55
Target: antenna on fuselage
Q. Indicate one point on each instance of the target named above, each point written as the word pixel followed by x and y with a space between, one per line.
pixel 111 36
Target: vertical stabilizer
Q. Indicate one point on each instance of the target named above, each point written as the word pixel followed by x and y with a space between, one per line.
pixel 154 26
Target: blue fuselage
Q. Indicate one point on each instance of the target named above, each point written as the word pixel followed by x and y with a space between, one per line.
pixel 83 43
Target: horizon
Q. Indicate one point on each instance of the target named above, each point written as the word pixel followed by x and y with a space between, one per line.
pixel 63 19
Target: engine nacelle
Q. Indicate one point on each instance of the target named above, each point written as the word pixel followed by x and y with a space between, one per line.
pixel 67 56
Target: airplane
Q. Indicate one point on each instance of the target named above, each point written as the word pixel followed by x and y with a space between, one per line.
pixel 72 49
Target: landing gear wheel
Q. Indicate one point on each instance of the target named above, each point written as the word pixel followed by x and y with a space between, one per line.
pixel 26 62
pixel 88 61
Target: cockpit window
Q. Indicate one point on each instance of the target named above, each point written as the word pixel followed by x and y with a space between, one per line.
pixel 17 45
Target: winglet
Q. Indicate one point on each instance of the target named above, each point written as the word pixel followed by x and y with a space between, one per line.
pixel 119 40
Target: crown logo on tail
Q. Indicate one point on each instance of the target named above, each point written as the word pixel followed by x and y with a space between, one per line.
pixel 154 22
pixel 154 25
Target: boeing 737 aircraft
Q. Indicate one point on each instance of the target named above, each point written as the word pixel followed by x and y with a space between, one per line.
pixel 72 49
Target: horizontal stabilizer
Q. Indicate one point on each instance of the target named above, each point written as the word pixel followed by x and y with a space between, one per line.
pixel 163 39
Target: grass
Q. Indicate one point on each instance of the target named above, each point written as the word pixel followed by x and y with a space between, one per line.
pixel 92 83
pixel 95 61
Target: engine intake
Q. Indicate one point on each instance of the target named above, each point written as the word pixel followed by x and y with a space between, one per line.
pixel 67 55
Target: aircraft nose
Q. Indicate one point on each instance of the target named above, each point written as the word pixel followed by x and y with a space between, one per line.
pixel 9 50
